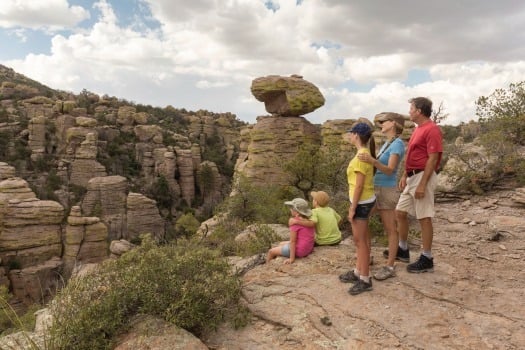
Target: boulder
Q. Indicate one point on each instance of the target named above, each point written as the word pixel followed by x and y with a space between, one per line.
pixel 287 96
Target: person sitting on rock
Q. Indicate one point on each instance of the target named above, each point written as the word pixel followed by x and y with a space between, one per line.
pixel 324 219
pixel 302 238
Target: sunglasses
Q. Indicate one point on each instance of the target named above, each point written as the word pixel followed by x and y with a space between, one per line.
pixel 383 121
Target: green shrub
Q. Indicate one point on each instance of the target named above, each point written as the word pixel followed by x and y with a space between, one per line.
pixel 187 225
pixel 188 285
pixel 261 240
pixel 10 320
pixel 256 204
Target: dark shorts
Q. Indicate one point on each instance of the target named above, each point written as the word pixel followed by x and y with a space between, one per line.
pixel 362 211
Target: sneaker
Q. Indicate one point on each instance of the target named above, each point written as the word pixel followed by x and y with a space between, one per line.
pixel 348 277
pixel 402 254
pixel 360 286
pixel 423 264
pixel 384 273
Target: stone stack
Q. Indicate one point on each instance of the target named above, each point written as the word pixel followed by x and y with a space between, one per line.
pixel 86 241
pixel 30 240
pixel 143 217
pixel 106 198
pixel 85 165
pixel 275 139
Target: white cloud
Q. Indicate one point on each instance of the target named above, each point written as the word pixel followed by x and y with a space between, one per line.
pixel 37 14
pixel 205 54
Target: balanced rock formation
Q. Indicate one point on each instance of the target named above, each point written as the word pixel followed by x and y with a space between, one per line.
pixel 270 143
pixel 287 96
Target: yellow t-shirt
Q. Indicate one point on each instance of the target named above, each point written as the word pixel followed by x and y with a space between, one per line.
pixel 357 166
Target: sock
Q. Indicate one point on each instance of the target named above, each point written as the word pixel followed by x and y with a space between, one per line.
pixel 365 278
pixel 403 245
pixel 391 268
pixel 428 254
pixel 356 272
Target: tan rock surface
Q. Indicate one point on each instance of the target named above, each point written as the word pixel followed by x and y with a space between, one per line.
pixel 473 299
pixel 287 96
pixel 270 143
pixel 143 217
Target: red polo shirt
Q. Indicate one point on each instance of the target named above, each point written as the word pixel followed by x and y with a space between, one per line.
pixel 426 139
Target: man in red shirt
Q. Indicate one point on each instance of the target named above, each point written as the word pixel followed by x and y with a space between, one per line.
pixel 418 183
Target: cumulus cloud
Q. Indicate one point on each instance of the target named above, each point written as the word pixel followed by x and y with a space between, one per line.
pixel 204 55
pixel 36 14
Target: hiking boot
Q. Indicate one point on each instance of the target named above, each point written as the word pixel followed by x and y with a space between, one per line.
pixel 360 286
pixel 402 254
pixel 348 277
pixel 384 273
pixel 423 264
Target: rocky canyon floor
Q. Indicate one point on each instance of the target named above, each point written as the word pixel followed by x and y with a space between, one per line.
pixel 474 299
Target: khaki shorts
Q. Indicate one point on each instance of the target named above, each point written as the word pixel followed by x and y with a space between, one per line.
pixel 421 208
pixel 387 197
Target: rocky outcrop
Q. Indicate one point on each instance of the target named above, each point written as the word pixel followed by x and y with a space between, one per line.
pixel 519 196
pixel 147 332
pixel 186 169
pixel 85 166
pixel 269 144
pixel 37 137
pixel 106 198
pixel 85 241
pixel 287 96
pixel 30 241
pixel 143 217
pixel 210 184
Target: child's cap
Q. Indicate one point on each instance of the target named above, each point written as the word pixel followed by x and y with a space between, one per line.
pixel 361 129
pixel 300 206
pixel 321 197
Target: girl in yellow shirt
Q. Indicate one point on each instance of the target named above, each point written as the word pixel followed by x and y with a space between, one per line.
pixel 360 177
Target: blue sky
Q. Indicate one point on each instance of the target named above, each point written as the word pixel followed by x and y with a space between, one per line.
pixel 365 57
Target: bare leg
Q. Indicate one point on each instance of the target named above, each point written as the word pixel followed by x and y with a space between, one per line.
pixel 427 233
pixel 273 253
pixel 402 225
pixel 360 233
pixel 388 217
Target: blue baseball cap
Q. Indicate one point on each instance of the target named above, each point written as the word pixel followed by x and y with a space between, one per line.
pixel 361 129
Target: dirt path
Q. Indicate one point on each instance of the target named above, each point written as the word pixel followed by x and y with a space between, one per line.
pixel 473 300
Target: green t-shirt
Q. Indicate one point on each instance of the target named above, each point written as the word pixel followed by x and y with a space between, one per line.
pixel 326 225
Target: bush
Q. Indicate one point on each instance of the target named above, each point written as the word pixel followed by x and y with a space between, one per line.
pixel 256 204
pixel 187 284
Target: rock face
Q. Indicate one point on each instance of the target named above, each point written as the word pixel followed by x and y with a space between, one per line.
pixel 143 216
pixel 30 240
pixel 151 333
pixel 106 198
pixel 270 143
pixel 85 166
pixel 287 96
pixel 86 241
pixel 472 300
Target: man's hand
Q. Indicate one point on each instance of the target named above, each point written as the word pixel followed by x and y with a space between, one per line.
pixel 420 191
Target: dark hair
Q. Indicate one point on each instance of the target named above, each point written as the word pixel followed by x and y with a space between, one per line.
pixel 423 104
pixel 368 137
